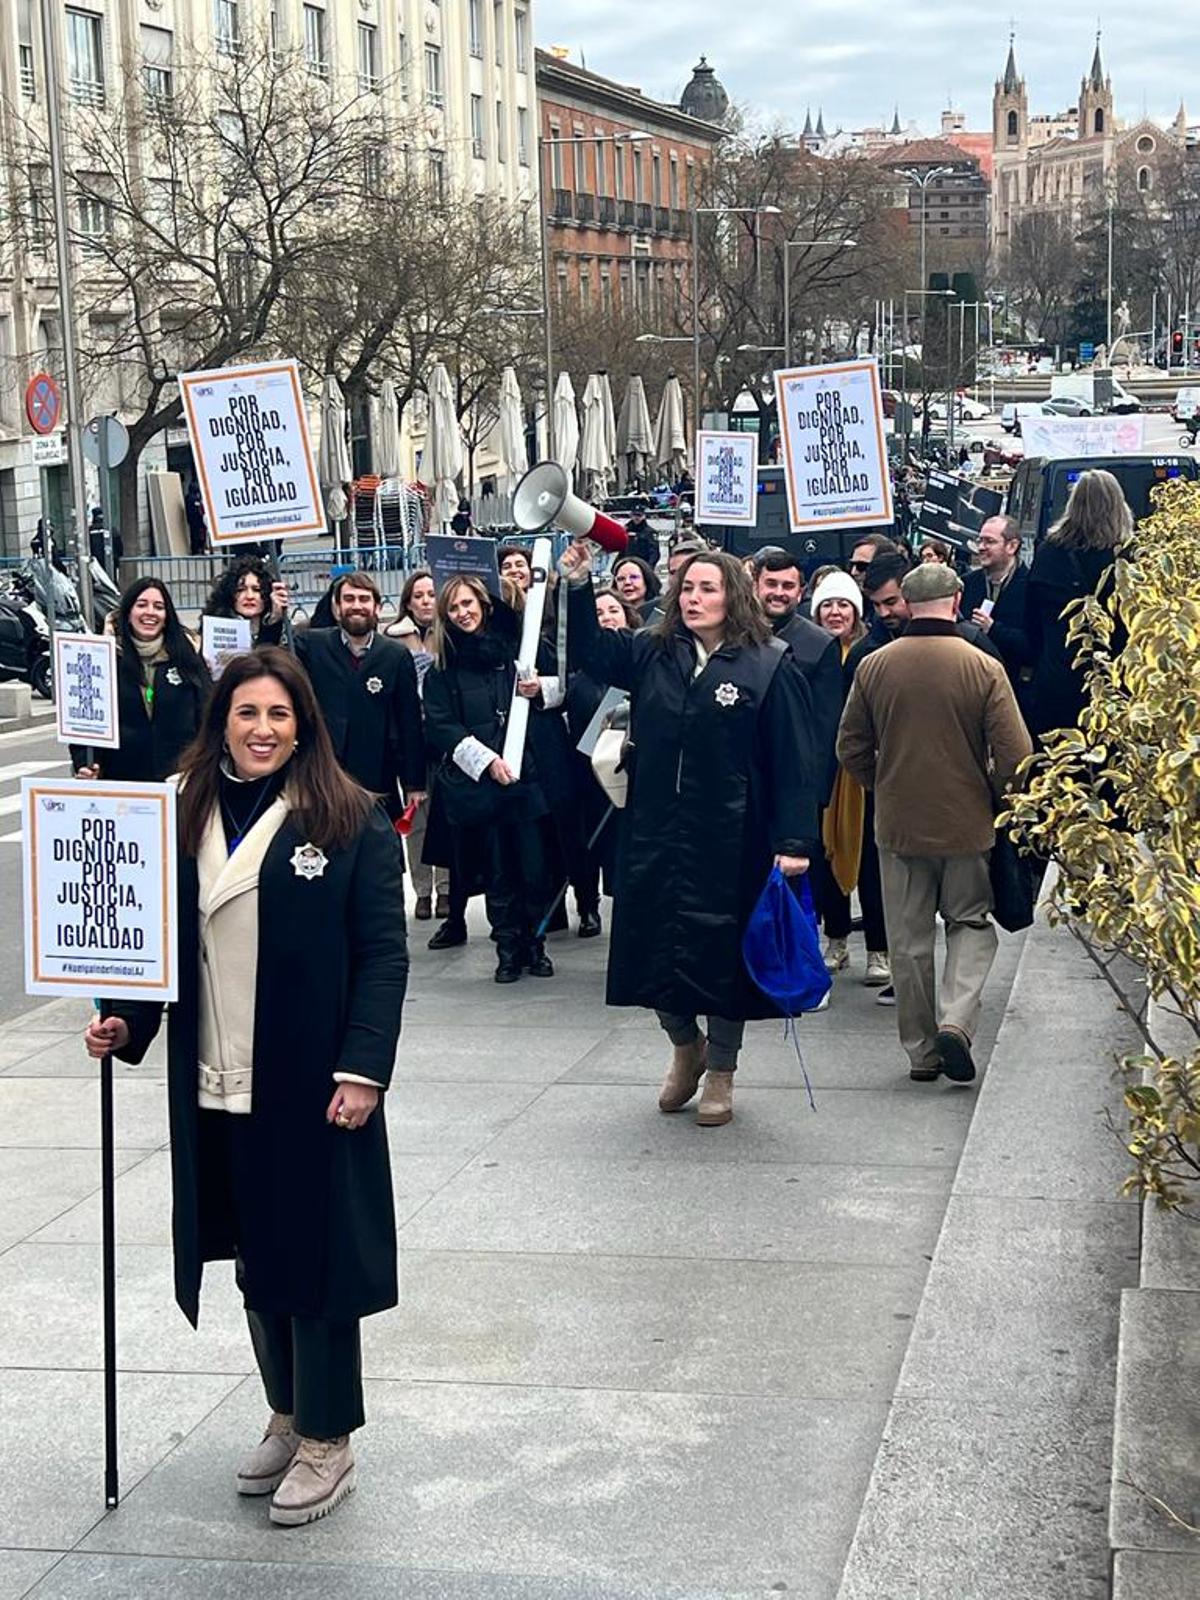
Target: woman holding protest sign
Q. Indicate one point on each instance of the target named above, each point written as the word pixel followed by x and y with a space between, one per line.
pixel 289 878
pixel 248 589
pixel 163 685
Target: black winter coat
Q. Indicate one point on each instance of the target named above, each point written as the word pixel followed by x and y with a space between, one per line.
pixel 724 775
pixel 472 694
pixel 332 969
pixel 1057 577
pixel 819 657
pixel 1008 618
pixel 151 745
pixel 373 711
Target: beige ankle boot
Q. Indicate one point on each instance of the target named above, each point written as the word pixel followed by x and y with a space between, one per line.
pixel 716 1103
pixel 320 1478
pixel 683 1075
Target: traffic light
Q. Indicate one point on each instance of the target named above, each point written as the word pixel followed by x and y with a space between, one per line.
pixel 1177 342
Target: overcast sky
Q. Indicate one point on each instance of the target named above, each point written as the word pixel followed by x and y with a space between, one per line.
pixel 859 58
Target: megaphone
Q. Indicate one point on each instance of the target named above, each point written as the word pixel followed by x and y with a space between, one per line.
pixel 544 495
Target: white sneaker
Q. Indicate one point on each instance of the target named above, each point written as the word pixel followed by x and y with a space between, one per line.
pixel 879 969
pixel 837 955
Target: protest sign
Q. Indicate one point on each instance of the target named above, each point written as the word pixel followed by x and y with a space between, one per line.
pixel 85 690
pixel 955 508
pixel 222 638
pixel 100 898
pixel 449 557
pixel 727 478
pixel 834 449
pixel 249 438
pixel 1057 437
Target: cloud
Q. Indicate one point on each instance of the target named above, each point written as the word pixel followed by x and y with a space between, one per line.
pixel 859 58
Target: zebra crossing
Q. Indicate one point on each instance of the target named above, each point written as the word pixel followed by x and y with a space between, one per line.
pixel 10 787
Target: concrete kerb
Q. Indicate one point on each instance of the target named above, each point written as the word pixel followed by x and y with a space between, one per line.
pixel 993 1473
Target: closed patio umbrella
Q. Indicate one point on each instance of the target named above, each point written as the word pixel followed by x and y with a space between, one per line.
pixel 670 436
pixel 596 460
pixel 333 453
pixel 385 432
pixel 510 427
pixel 566 424
pixel 442 457
pixel 635 436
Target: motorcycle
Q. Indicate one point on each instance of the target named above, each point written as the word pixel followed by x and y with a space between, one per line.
pixel 24 629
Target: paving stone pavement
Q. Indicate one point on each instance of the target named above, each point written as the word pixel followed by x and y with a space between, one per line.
pixel 634 1359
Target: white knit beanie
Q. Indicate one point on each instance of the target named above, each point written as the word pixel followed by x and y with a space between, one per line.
pixel 837 586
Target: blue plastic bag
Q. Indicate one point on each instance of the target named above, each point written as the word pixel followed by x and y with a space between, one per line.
pixel 782 951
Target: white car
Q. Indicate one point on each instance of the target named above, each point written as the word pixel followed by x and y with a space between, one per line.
pixel 965 410
pixel 1187 404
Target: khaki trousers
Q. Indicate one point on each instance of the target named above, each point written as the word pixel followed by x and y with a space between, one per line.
pixel 915 890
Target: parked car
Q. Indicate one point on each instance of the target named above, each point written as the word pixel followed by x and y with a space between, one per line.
pixel 965 410
pixel 1187 404
pixel 1067 405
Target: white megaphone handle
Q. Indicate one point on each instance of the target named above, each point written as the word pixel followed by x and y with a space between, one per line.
pixel 531 628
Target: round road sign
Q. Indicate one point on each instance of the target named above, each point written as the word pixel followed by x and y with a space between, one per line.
pixel 107 434
pixel 43 403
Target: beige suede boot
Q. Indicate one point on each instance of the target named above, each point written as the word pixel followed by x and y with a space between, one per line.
pixel 683 1075
pixel 716 1103
pixel 320 1478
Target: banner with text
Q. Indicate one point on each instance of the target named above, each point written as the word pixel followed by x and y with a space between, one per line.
pixel 1057 437
pixel 249 437
pixel 727 478
pixel 222 638
pixel 834 449
pixel 85 690
pixel 447 557
pixel 100 889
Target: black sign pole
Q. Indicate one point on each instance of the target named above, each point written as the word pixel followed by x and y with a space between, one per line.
pixel 109 1256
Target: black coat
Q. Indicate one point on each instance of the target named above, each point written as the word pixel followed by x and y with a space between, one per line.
pixel 724 775
pixel 373 712
pixel 819 657
pixel 471 694
pixel 151 745
pixel 1008 631
pixel 1057 577
pixel 332 969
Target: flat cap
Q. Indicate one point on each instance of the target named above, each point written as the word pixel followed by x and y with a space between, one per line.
pixel 930 581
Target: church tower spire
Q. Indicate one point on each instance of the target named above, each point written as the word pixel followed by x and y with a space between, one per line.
pixel 1095 100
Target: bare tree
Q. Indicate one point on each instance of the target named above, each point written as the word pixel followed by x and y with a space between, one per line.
pixel 1041 271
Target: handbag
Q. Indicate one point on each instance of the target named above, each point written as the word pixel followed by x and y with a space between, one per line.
pixel 1014 884
pixel 609 756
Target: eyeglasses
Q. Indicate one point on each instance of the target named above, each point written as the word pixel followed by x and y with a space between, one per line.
pixel 859 566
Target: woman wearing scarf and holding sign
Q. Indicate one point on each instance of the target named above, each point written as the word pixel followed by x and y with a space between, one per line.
pixel 289 879
pixel 723 778
pixel 163 685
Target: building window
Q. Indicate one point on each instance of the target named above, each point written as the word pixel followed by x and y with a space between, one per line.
pixel 1098 122
pixel 560 283
pixel 619 171
pixel 579 163
pixel 674 181
pixel 523 136
pixel 316 52
pixel 85 57
pixel 1145 181
pixel 606 304
pixel 25 67
pixel 373 160
pixel 585 286
pixel 656 177
pixel 237 279
pixel 433 75
pixel 157 79
pixel 498 28
pixel 227 27
pixel 475 27
pixel 95 217
pixel 556 157
pixel 501 141
pixel 437 176
pixel 368 58
pixel 402 63
pixel 1013 125
pixel 521 39
pixel 601 167
pixel 477 126
pixel 639 181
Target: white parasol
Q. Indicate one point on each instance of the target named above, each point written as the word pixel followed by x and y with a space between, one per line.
pixel 510 427
pixel 442 457
pixel 670 436
pixel 566 424
pixel 385 432
pixel 597 462
pixel 333 454
pixel 635 436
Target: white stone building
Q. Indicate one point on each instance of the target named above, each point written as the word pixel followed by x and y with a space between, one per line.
pixel 458 72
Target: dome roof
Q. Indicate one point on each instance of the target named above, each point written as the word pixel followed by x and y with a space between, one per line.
pixel 705 96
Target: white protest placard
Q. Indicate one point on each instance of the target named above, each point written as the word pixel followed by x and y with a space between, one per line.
pixel 85 690
pixel 100 890
pixel 222 638
pixel 249 437
pixel 834 447
pixel 726 478
pixel 1057 437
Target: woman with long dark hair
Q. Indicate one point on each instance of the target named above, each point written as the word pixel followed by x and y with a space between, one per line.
pixel 1071 561
pixel 248 589
pixel 494 817
pixel 292 966
pixel 724 773
pixel 163 685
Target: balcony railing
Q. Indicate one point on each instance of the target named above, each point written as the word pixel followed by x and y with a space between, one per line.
pixel 644 218
pixel 625 213
pixel 26 74
pixel 369 83
pixel 662 219
pixel 563 207
pixel 608 211
pixel 585 207
pixel 87 92
pixel 477 148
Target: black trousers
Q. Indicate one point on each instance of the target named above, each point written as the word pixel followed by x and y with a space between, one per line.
pixel 517 893
pixel 311 1370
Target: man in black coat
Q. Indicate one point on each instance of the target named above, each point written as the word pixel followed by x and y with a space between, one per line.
pixel 881 586
pixel 995 596
pixel 779 585
pixel 643 541
pixel 367 688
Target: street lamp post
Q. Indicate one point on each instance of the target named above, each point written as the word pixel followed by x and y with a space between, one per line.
pixel 635 136
pixel 788 246
pixel 697 213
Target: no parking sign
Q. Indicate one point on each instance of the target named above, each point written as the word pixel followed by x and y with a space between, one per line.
pixel 43 403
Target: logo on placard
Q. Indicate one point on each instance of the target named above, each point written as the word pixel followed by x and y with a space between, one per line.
pixel 53 805
pixel 309 861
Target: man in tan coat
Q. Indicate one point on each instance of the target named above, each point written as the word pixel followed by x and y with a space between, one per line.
pixel 932 727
